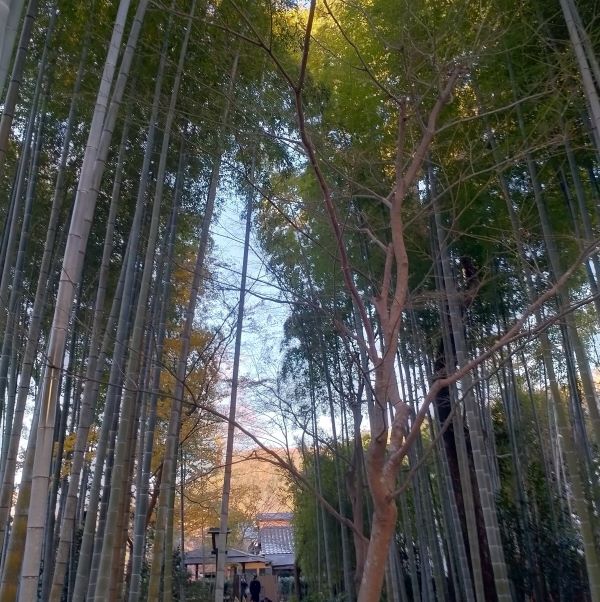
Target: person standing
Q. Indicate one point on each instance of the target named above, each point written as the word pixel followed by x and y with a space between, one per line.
pixel 255 589
pixel 244 589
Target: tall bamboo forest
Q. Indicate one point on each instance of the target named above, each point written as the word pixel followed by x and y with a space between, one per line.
pixel 421 180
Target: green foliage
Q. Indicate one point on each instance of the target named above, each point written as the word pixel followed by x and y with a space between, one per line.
pixel 310 519
pixel 538 513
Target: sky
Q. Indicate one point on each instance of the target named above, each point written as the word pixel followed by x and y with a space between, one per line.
pixel 264 318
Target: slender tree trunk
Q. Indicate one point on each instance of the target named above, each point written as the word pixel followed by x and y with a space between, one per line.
pixel 49 547
pixel 17 278
pixel 586 528
pixel 148 442
pixel 70 275
pixel 585 63
pixel 121 310
pixel 457 454
pixel 182 567
pixel 11 569
pixel 12 94
pixel 556 270
pixel 117 569
pixel 168 589
pixel 8 468
pixel 119 477
pixel 348 586
pixel 356 481
pixel 584 213
pixel 88 402
pixel 508 390
pixel 10 16
pixel 11 224
pixel 11 401
pixel 321 516
pixel 475 435
pixel 224 519
pixel 105 452
pixel 173 432
pixel 102 510
pixel 144 403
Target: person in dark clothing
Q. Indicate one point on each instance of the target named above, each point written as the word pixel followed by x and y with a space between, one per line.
pixel 244 589
pixel 255 589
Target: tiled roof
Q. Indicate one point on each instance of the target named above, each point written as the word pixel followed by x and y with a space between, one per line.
pixel 281 561
pixel 234 556
pixel 276 540
pixel 278 516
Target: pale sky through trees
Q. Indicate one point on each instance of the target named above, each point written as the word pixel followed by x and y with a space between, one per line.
pixel 264 316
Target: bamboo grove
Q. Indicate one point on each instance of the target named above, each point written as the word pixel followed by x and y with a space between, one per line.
pixel 423 181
